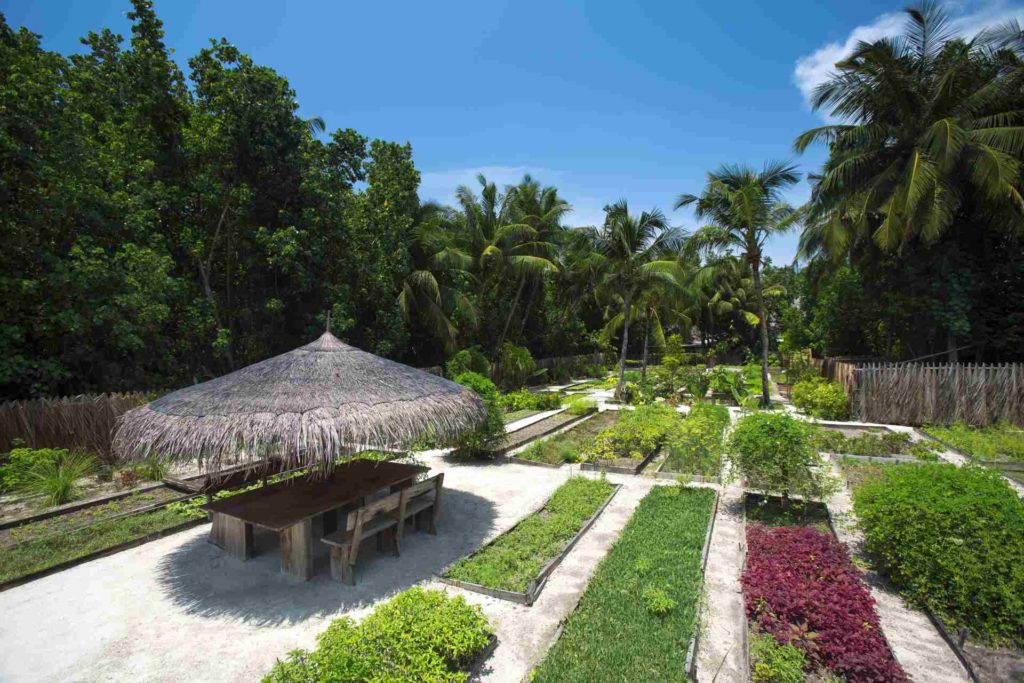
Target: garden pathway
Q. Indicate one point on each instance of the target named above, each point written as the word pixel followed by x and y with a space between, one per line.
pixel 915 641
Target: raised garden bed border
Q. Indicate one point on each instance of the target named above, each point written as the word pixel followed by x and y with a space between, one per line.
pixel 565 425
pixel 141 540
pixel 537 584
pixel 564 428
pixel 692 650
pixel 77 505
pixel 616 469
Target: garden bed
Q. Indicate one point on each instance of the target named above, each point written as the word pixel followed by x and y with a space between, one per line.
pixel 999 447
pixel 630 444
pixel 694 448
pixel 567 444
pixel 639 614
pixel 811 611
pixel 891 445
pixel 619 465
pixel 521 437
pixel 515 566
pixel 958 558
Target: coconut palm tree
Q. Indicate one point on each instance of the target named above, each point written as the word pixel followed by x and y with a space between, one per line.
pixel 430 292
pixel 745 208
pixel 639 253
pixel 929 125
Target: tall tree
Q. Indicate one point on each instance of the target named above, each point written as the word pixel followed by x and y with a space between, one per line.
pixel 639 253
pixel 745 208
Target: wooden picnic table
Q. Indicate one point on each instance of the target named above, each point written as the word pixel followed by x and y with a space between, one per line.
pixel 290 508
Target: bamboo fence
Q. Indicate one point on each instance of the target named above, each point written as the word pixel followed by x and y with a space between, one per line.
pixel 930 393
pixel 74 422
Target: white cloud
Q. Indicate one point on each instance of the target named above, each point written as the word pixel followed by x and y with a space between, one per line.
pixel 968 20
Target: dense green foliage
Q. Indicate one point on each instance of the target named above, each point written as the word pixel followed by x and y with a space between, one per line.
pixel 775 453
pixel 951 538
pixel 581 406
pixel 613 635
pixel 915 222
pixel 820 398
pixel 419 635
pixel 695 445
pixel 530 400
pixel 515 558
pixel 996 442
pixel 636 434
pixel 773 662
pixel 486 435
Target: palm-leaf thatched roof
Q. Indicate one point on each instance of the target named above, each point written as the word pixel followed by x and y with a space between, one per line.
pixel 308 406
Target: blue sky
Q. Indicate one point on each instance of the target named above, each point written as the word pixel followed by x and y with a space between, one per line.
pixel 604 100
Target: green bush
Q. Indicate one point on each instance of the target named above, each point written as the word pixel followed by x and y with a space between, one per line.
pixel 419 635
pixel 821 398
pixel 527 400
pixel 16 474
pixel 695 445
pixel 951 538
pixel 729 382
pixel 636 433
pixel 486 436
pixel 515 366
pixel 773 662
pixel 582 406
pixel 467 360
pixel 57 480
pixel 776 453
pixel 696 381
pixel 152 468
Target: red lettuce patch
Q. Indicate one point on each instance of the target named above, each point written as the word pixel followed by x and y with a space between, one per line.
pixel 801 587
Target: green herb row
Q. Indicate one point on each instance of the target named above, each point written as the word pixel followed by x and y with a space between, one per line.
pixel 695 445
pixel 639 612
pixel 516 557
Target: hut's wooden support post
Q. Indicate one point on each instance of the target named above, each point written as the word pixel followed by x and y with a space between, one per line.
pixel 233 535
pixel 297 550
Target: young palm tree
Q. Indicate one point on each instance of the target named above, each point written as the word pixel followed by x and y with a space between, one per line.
pixel 931 125
pixel 639 253
pixel 745 208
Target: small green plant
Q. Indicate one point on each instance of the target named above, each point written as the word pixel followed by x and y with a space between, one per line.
pixel 776 453
pixel 822 399
pixel 57 480
pixel 515 366
pixel 21 462
pixel 657 601
pixel 582 406
pixel 695 445
pixel 696 381
pixel 152 468
pixel 773 662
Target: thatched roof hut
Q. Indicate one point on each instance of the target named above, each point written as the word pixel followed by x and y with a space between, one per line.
pixel 308 406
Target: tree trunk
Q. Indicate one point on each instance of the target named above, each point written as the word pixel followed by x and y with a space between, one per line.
pixel 627 304
pixel 647 336
pixel 755 268
pixel 951 345
pixel 512 312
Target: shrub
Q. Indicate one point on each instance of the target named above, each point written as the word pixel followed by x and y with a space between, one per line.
pixel 17 473
pixel 582 406
pixel 419 635
pixel 697 382
pixel 695 445
pixel 467 360
pixel 636 434
pixel 515 366
pixel 951 538
pixel 57 480
pixel 821 398
pixel 773 662
pixel 485 436
pixel 152 468
pixel 801 588
pixel 776 453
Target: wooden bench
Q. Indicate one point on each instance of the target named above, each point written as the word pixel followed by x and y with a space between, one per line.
pixel 386 515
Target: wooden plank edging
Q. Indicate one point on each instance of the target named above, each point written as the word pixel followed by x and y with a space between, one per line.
pixel 76 506
pixel 690 663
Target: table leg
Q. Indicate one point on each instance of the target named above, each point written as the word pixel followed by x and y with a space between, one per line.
pixel 233 535
pixel 297 550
